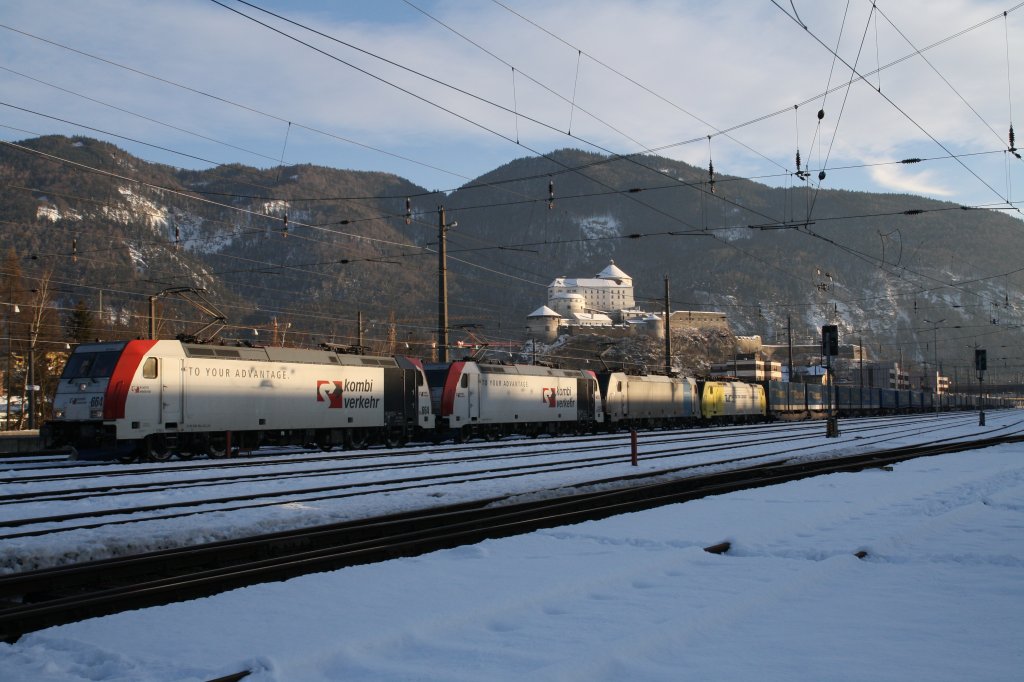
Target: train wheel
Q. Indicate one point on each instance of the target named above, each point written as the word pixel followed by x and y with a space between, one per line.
pixel 355 439
pixel 216 447
pixel 156 448
pixel 324 441
pixel 129 458
pixel 464 434
pixel 186 455
pixel 395 437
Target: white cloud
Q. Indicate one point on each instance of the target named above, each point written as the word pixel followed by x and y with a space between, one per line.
pixel 897 179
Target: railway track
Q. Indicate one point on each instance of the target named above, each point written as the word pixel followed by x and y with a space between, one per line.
pixel 39 599
pixel 474 470
pixel 63 467
pixel 378 461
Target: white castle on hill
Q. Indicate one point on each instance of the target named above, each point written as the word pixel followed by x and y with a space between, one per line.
pixel 576 304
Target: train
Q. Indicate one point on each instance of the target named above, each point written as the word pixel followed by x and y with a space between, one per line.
pixel 150 400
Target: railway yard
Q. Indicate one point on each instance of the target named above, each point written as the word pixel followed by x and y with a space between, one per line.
pixel 84 539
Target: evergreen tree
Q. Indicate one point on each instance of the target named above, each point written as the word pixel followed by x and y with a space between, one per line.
pixel 80 323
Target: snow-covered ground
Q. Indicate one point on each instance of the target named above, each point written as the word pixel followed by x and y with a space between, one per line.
pixel 938 596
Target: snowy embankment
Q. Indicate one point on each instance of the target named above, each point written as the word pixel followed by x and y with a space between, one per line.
pixel 937 596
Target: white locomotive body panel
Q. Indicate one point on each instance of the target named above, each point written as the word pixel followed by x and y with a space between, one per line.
pixel 630 397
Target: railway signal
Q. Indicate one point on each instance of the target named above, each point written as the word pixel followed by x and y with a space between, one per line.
pixel 830 348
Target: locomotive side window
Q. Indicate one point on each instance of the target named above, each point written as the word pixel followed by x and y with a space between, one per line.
pixel 465 380
pixel 149 369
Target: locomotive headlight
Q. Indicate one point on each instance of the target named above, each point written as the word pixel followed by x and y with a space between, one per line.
pixel 83 387
pixel 58 413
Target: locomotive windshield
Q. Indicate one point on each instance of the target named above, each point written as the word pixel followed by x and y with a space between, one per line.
pixel 90 365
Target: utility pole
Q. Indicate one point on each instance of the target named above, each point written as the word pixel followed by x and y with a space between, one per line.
pixel 32 388
pixel 789 339
pixel 11 307
pixel 935 354
pixel 668 332
pixel 442 286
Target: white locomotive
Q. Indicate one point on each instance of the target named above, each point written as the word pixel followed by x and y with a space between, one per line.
pixel 649 400
pixel 472 399
pixel 155 398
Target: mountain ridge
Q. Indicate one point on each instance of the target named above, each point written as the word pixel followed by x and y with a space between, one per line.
pixel 313 250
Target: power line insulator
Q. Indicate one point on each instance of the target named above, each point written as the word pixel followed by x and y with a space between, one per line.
pixel 821 114
pixel 1013 144
pixel 711 176
pixel 802 174
pixel 284 226
pixel 408 211
pixel 551 194
pixel 74 250
pixel 821 175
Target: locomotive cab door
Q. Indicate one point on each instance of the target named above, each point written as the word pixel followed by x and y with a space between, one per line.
pixel 170 392
pixel 471 385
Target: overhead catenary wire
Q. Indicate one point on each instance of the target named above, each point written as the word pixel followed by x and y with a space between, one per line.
pixel 136 115
pixel 229 102
pixel 900 110
pixel 430 102
pixel 842 108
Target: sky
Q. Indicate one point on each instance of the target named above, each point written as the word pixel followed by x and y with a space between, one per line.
pixel 440 92
pixel 935 596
